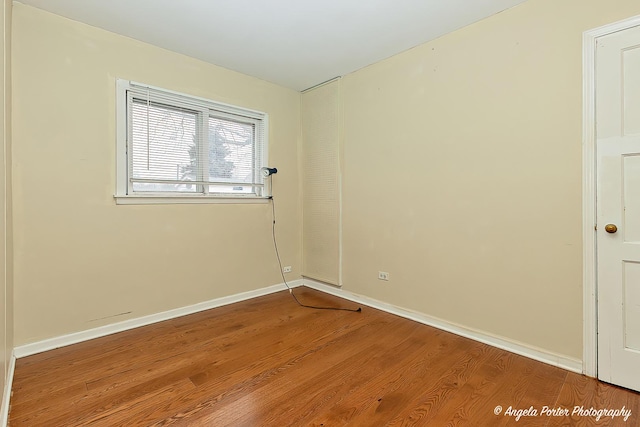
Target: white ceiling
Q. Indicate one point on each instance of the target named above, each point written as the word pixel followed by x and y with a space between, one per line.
pixel 294 43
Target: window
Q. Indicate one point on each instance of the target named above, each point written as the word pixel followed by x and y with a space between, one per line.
pixel 176 148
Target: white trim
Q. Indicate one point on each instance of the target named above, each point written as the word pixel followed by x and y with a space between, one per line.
pixel 541 355
pixel 65 340
pixel 320 84
pixel 8 374
pixel 192 101
pixel 341 138
pixel 322 281
pixel 180 199
pixel 6 397
pixel 122 165
pixel 589 187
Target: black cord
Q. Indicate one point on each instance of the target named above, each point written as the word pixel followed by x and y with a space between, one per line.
pixel 275 245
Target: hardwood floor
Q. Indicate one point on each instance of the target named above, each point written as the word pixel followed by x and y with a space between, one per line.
pixel 269 362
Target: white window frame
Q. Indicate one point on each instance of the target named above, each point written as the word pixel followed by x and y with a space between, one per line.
pixel 124 193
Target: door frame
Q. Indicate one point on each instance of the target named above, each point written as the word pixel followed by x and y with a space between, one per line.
pixel 589 188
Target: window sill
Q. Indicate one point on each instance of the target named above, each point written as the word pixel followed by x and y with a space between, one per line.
pixel 190 199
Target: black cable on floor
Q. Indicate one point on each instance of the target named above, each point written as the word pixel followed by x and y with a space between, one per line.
pixel 275 245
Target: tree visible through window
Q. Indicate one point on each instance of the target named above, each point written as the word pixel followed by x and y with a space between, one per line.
pixel 230 153
pixel 177 144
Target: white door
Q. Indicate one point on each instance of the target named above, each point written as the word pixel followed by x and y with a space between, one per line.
pixel 618 201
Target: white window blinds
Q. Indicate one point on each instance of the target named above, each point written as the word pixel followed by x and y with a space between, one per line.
pixel 163 141
pixel 177 144
pixel 321 208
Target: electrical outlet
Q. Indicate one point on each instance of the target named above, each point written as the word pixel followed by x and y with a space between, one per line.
pixel 383 275
pixel 287 269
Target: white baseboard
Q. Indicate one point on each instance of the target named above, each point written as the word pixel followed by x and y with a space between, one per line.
pixel 512 346
pixel 6 397
pixel 522 349
pixel 64 340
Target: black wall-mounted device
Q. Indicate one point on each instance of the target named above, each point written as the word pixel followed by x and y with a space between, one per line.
pixel 268 171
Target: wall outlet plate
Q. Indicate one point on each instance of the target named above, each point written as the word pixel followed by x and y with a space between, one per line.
pixel 287 269
pixel 383 275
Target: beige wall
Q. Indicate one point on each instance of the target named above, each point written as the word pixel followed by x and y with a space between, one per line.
pixel 6 283
pixel 80 260
pixel 462 174
pixel 461 177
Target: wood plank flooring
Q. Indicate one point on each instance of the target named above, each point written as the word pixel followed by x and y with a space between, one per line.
pixel 269 362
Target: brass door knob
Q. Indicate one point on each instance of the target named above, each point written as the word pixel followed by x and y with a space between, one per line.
pixel 610 228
